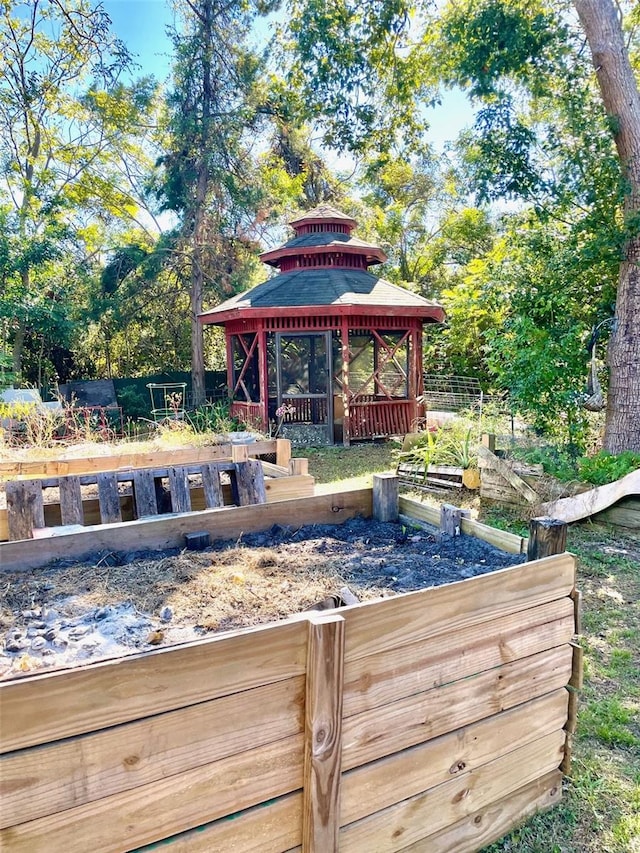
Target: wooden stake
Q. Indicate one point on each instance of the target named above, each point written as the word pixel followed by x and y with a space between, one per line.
pixel 283 452
pixel 298 466
pixel 488 440
pixel 450 520
pixel 323 735
pixel 239 452
pixel 547 536
pixel 385 497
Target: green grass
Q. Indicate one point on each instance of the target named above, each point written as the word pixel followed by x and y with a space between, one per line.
pixel 600 810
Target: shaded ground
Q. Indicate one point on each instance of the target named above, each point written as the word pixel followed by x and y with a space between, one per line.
pixel 114 604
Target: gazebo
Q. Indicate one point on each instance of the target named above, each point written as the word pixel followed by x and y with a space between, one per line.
pixel 325 350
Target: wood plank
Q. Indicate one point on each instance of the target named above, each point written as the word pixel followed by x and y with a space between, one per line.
pixel 71 500
pixel 398 826
pixel 179 489
pixel 415 719
pixel 168 532
pixel 509 475
pixel 593 501
pixel 24 508
pixel 499 538
pixel 38 782
pixel 112 692
pixel 283 452
pixel 144 492
pixel 380 784
pixel 271 470
pixel 385 497
pixel 267 828
pixel 483 827
pixel 284 489
pixel 412 616
pixel 211 487
pixel 250 483
pixel 403 671
pixel 167 806
pixel 109 498
pixel 323 735
pixel 149 459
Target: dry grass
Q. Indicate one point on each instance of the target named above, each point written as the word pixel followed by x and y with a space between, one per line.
pixel 214 590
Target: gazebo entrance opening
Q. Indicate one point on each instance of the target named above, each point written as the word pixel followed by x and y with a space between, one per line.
pixel 303 386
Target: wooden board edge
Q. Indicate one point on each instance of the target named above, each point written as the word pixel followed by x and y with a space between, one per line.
pixel 485 826
pixel 168 531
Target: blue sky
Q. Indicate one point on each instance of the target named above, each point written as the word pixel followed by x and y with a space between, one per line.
pixel 142 24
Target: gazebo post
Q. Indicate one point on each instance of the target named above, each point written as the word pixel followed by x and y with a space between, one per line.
pixel 346 424
pixel 263 376
pixel 228 340
pixel 416 373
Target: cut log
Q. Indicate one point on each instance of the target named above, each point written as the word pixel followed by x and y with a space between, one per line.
pixel 595 500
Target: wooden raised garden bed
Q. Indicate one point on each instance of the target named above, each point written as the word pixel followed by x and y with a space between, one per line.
pixel 432 720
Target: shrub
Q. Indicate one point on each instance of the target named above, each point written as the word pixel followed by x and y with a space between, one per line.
pixel 604 467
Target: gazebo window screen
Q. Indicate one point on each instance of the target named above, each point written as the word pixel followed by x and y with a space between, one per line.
pixel 246 381
pixel 379 364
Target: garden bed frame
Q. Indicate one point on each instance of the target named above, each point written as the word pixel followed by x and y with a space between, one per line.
pixel 285 479
pixel 430 721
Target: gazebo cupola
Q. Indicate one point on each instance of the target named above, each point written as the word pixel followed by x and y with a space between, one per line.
pixel 334 345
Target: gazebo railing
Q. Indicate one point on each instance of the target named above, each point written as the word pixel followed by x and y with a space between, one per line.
pixel 249 414
pixel 370 417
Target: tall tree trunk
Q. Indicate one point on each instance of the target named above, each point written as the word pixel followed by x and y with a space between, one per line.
pixel 601 23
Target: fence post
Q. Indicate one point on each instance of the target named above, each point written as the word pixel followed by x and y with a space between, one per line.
pixel 283 452
pixel 385 497
pixel 547 536
pixel 323 734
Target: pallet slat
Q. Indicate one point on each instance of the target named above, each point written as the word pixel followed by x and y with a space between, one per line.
pixel 179 489
pixel 144 491
pixel 211 487
pixel 71 501
pixel 25 509
pixel 109 498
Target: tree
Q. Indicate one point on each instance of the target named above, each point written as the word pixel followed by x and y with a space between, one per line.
pixel 208 175
pixel 618 85
pixel 539 138
pixel 65 125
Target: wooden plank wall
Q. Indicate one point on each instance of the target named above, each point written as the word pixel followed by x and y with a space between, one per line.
pixel 151 459
pixel 433 720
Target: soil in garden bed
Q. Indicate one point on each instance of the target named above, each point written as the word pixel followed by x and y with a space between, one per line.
pixel 113 604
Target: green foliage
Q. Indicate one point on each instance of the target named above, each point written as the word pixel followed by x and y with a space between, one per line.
pixel 213 418
pixel 454 444
pixel 605 467
pixel 134 404
pixel 555 460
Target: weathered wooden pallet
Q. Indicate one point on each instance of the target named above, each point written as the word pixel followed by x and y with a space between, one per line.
pixel 155 491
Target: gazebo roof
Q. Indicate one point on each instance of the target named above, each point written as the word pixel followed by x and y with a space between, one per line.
pixel 321 241
pixel 335 288
pixel 324 213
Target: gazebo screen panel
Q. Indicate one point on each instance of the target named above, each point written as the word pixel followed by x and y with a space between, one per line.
pixel 379 364
pixel 246 381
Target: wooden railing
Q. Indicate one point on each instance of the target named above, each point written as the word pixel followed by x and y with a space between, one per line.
pixel 370 417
